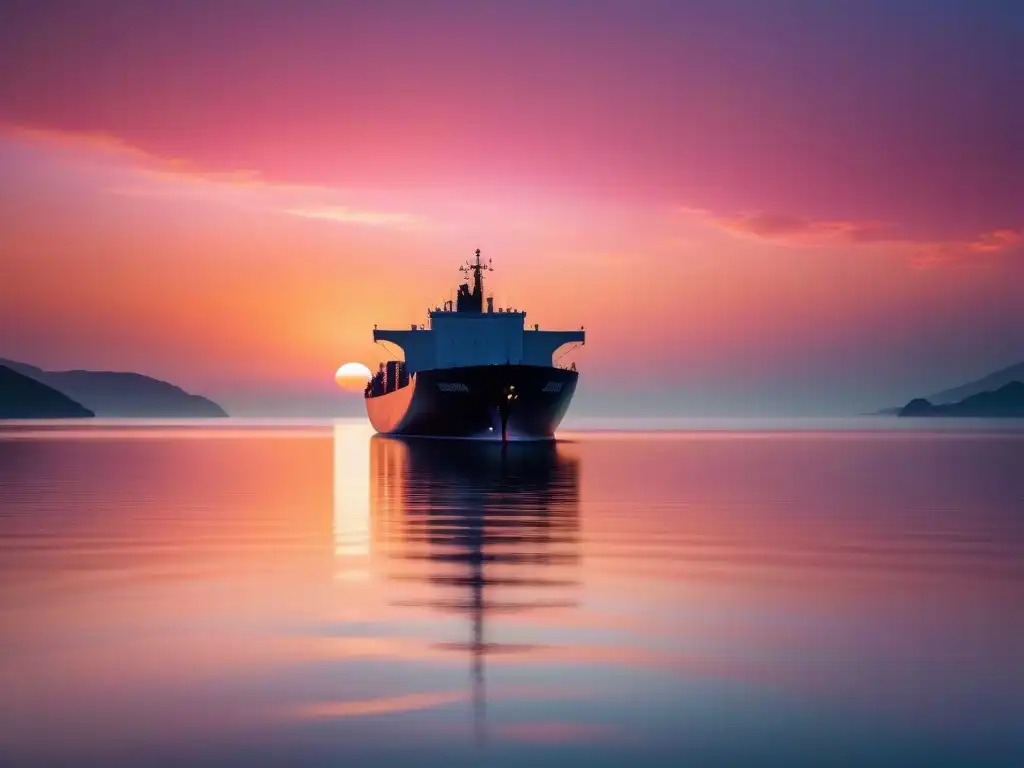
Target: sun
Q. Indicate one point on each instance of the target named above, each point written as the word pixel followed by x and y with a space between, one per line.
pixel 353 377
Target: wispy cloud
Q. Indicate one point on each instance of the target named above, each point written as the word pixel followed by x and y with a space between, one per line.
pixel 141 174
pixel 798 231
pixel 993 243
pixel 997 241
pixel 346 215
pixel 794 229
pixel 76 140
pixel 788 229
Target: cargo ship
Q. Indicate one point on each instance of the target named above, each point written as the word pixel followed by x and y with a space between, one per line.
pixel 473 372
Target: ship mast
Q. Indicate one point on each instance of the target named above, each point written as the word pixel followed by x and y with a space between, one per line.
pixel 474 302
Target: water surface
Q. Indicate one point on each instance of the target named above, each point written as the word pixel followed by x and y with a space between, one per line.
pixel 272 593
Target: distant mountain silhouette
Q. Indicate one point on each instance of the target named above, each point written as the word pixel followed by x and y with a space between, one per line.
pixel 1005 402
pixel 110 393
pixel 989 383
pixel 22 397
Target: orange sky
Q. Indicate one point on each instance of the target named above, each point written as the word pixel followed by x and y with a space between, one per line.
pixel 246 254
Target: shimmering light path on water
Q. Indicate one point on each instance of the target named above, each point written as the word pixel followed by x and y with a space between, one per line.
pixel 313 594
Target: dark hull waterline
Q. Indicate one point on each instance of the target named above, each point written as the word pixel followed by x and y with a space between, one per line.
pixel 486 402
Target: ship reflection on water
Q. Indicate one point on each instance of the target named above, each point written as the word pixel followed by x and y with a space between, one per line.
pixel 252 595
pixel 497 524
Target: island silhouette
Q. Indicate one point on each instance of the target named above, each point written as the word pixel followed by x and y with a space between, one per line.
pixel 1005 402
pixel 22 397
pixel 955 395
pixel 118 394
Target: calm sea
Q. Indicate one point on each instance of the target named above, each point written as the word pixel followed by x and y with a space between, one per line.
pixel 266 593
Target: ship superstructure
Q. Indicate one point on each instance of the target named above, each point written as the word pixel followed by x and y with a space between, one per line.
pixel 476 371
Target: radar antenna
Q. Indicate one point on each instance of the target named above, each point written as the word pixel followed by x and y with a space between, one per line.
pixel 476 298
pixel 476 266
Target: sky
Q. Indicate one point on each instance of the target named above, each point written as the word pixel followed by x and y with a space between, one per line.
pixel 753 207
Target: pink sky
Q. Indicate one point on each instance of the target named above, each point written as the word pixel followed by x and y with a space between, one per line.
pixel 751 210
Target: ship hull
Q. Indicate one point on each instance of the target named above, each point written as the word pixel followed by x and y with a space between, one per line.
pixel 473 402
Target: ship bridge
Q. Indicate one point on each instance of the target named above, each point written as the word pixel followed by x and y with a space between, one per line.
pixel 465 332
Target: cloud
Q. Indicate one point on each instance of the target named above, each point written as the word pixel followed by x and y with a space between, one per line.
pixel 134 172
pixel 798 231
pixel 997 241
pixel 76 141
pixel 351 216
pixel 787 229
pixel 92 146
pixel 794 229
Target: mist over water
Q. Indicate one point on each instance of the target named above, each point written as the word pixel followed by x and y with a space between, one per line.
pixel 286 593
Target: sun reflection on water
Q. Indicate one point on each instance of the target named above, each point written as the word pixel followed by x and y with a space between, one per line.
pixel 352 509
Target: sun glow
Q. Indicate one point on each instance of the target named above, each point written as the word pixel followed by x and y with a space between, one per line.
pixel 353 376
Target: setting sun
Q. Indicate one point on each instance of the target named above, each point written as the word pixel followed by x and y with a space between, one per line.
pixel 353 376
